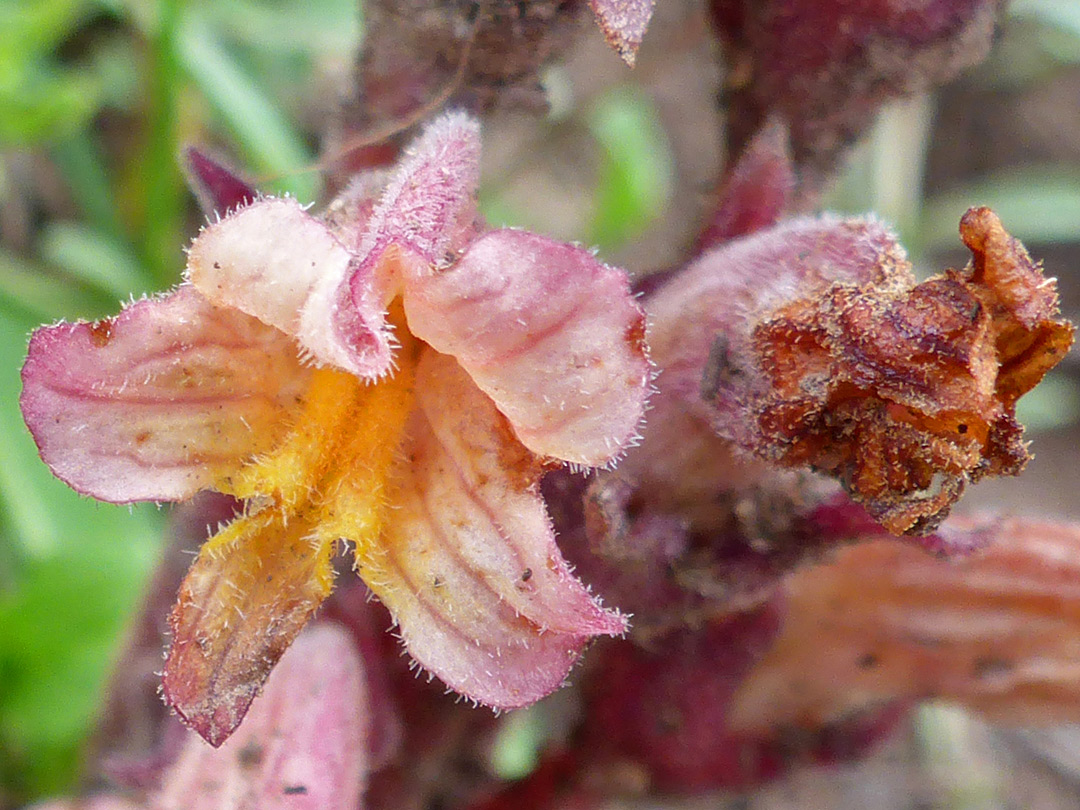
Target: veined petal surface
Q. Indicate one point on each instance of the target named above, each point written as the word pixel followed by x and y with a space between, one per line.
pixel 160 401
pixel 468 564
pixel 552 335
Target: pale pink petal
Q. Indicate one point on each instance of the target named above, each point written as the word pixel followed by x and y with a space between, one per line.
pixel 160 401
pixel 469 567
pixel 997 632
pixel 430 199
pixel 552 335
pixel 276 262
pixel 623 23
pixel 303 745
pixel 265 259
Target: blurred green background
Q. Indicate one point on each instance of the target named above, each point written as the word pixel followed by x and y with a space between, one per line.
pixel 96 100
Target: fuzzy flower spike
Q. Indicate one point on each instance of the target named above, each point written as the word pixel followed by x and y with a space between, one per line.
pixel 393 375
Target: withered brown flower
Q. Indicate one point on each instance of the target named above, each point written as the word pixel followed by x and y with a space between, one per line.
pixel 907 391
pixel 824 352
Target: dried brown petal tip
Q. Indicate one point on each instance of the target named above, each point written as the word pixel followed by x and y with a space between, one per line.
pixel 904 391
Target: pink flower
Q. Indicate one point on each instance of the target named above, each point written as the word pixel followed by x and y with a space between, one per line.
pixel 393 375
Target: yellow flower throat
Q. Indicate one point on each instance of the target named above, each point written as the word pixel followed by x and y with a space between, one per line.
pixel 326 480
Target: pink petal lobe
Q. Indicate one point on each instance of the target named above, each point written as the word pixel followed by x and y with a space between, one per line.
pixel 303 745
pixel 549 333
pixel 160 401
pixel 274 261
pixel 429 200
pixel 623 23
pixel 251 590
pixel 470 568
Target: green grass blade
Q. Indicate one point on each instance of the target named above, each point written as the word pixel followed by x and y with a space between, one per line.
pixel 95 259
pixel 636 169
pixel 267 139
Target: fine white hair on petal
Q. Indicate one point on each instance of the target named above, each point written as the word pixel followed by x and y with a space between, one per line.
pixel 552 335
pixel 273 260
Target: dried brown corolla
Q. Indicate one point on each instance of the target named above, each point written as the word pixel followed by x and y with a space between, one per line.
pixel 813 346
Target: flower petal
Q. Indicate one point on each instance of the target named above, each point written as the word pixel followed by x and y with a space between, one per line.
pixel 430 199
pixel 276 262
pixel 251 590
pixel 160 401
pixel 469 566
pixel 304 744
pixel 549 333
pixel 996 632
pixel 257 582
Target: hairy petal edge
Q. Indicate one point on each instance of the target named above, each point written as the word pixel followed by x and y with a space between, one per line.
pixel 469 565
pixel 251 590
pixel 276 262
pixel 552 335
pixel 159 401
